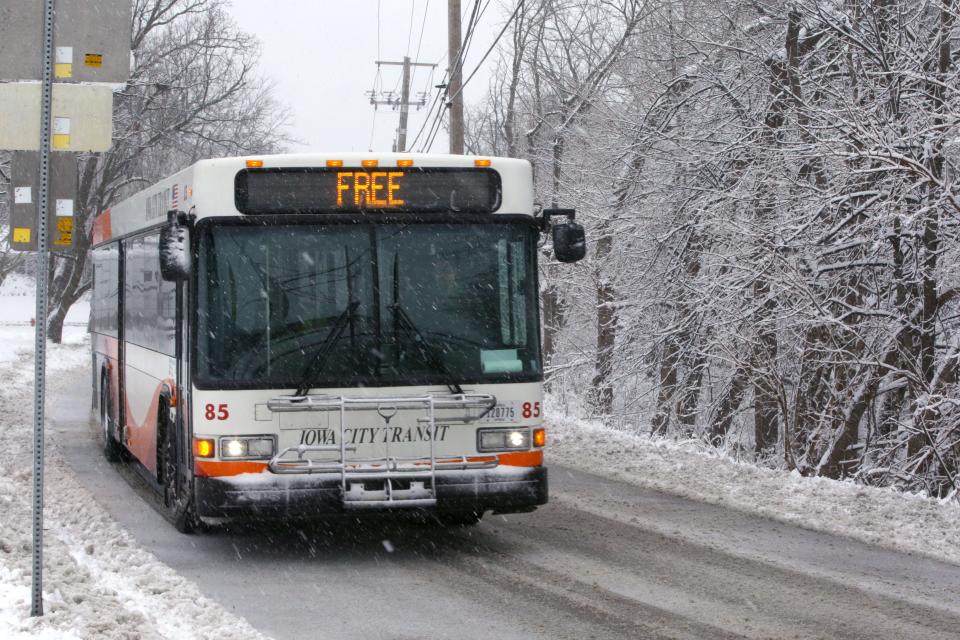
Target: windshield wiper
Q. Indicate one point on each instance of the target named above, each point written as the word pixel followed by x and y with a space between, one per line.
pixel 341 323
pixel 402 318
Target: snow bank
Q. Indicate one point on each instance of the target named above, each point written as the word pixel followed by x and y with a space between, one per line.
pixel 17 285
pixel 884 517
pixel 97 582
pixel 18 304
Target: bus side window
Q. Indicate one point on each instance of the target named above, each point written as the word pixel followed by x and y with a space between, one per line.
pixel 149 301
pixel 106 283
pixel 511 276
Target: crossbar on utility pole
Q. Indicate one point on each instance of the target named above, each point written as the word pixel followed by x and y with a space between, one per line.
pixel 40 344
pixel 404 103
pixel 454 92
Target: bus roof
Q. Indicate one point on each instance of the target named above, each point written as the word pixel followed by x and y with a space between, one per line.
pixel 206 189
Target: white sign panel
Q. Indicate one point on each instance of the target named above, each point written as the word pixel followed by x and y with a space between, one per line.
pixel 82 117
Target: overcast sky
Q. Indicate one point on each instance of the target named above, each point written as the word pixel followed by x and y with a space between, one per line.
pixel 321 55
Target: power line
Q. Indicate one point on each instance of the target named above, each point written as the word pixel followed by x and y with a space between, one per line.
pixel 376 80
pixel 426 118
pixel 413 9
pixel 423 26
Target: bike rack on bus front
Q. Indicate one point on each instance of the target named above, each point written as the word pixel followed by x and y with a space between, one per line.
pixel 391 468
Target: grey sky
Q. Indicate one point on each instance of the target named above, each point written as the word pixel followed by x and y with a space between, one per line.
pixel 321 55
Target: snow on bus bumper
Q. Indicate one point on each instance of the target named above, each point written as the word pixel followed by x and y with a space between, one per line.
pixel 503 489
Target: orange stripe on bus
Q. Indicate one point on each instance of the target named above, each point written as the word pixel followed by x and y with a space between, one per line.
pixel 522 459
pixel 214 468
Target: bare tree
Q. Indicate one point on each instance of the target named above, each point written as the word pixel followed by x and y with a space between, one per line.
pixel 193 93
pixel 771 196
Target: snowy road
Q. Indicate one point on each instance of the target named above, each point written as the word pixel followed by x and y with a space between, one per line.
pixel 603 560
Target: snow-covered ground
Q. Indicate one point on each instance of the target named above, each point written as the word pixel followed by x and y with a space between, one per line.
pixel 98 583
pixel 18 308
pixel 883 517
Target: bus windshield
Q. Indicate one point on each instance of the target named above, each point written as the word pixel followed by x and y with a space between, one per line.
pixel 338 305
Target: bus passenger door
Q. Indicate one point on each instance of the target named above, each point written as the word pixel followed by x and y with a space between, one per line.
pixel 184 400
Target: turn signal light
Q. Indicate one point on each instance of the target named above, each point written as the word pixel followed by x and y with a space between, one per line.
pixel 481 162
pixel 334 163
pixel 203 447
pixel 368 163
pixel 539 437
pixel 254 164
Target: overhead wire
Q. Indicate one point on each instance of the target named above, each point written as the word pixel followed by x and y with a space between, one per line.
pixel 416 56
pixel 413 10
pixel 423 26
pixel 376 81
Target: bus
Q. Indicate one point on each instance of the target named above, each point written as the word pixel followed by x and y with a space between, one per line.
pixel 303 335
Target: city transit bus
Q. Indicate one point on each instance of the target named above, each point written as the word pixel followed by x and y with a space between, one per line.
pixel 301 335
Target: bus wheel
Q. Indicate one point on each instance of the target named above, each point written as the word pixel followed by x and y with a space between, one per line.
pixel 176 499
pixel 111 448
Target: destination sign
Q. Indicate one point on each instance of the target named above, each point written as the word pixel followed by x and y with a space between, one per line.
pixel 367 190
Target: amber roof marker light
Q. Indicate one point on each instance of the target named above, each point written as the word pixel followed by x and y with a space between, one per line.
pixel 254 164
pixel 481 162
pixel 369 164
pixel 334 163
pixel 405 162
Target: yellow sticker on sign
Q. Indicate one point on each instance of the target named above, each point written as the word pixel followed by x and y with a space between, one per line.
pixel 93 59
pixel 21 234
pixel 64 232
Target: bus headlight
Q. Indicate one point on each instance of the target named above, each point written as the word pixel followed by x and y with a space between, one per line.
pixel 246 447
pixel 503 439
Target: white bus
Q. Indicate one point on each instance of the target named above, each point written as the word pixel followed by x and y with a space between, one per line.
pixel 300 335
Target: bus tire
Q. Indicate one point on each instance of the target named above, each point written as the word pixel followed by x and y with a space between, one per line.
pixel 176 500
pixel 112 450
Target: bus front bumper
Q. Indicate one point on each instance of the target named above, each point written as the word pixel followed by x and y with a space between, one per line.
pixel 503 489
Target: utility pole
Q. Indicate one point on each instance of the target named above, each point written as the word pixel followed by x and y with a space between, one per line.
pixel 454 88
pixel 404 102
pixel 404 98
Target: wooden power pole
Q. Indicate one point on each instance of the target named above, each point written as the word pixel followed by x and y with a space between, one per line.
pixel 454 86
pixel 404 102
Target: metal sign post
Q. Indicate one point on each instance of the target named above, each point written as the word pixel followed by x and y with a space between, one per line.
pixel 36 602
pixel 92 60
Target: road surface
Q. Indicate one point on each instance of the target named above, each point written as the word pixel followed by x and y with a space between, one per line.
pixel 603 560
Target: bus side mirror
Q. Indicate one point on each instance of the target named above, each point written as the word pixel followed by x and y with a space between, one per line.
pixel 174 249
pixel 569 240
